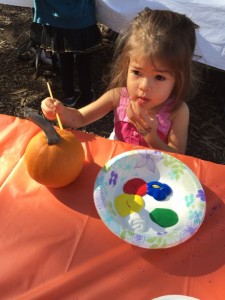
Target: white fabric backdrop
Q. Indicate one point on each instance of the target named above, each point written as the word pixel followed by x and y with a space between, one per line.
pixel 25 3
pixel 208 14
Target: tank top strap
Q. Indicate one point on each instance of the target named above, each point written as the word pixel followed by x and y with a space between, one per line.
pixel 121 114
pixel 163 117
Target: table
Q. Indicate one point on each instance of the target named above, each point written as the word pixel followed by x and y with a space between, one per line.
pixel 209 15
pixel 55 246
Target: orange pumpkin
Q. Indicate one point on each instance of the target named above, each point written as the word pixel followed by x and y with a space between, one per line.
pixel 53 158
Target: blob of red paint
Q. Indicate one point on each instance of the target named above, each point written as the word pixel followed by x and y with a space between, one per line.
pixel 135 186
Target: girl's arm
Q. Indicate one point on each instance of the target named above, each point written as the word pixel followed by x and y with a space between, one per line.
pixel 178 135
pixel 74 118
pixel 101 107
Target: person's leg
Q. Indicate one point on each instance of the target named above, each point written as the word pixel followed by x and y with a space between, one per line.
pixel 84 73
pixel 66 69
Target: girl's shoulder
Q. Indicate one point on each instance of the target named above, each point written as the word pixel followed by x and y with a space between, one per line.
pixel 181 112
pixel 117 95
pixel 183 108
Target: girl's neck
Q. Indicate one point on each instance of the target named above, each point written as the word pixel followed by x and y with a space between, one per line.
pixel 156 109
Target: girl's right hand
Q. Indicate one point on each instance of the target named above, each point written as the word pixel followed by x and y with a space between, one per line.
pixel 50 106
pixel 145 122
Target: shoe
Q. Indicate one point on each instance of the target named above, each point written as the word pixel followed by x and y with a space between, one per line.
pixel 71 102
pixel 47 58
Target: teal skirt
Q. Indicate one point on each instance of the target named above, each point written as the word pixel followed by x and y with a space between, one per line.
pixel 60 40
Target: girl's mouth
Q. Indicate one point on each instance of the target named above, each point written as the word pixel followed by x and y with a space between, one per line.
pixel 142 100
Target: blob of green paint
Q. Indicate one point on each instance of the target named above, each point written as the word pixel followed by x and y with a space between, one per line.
pixel 164 217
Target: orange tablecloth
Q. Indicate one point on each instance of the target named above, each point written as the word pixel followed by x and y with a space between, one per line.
pixel 53 245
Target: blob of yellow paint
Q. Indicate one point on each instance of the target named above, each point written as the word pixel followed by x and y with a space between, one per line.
pixel 126 204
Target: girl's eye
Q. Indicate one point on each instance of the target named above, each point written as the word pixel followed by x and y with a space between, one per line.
pixel 135 72
pixel 160 78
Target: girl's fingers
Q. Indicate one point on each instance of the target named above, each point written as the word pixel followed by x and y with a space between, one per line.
pixel 130 112
pixel 58 107
pixel 49 108
pixel 145 131
pixel 144 122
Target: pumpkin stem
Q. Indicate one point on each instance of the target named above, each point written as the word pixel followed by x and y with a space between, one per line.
pixel 52 135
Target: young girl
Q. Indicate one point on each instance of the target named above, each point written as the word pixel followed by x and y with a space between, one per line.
pixel 151 79
pixel 70 28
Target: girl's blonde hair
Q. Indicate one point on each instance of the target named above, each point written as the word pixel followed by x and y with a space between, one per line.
pixel 161 35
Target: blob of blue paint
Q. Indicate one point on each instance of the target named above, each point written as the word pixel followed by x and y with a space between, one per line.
pixel 159 191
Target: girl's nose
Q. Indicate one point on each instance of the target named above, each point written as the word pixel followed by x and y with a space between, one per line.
pixel 145 84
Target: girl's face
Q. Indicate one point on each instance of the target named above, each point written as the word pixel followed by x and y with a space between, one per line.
pixel 149 85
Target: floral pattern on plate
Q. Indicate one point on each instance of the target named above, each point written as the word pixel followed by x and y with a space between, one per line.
pixel 136 227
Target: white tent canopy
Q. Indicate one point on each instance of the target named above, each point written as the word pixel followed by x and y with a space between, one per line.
pixel 24 3
pixel 209 15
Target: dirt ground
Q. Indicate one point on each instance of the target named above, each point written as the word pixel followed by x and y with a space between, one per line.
pixel 21 88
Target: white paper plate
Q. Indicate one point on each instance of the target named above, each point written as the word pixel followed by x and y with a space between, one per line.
pixel 142 220
pixel 175 297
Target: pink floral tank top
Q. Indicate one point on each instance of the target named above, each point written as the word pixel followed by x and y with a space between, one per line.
pixel 126 132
